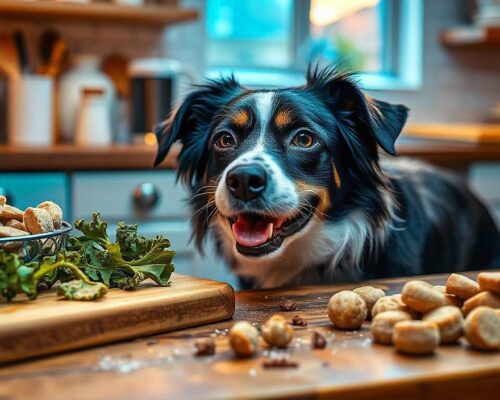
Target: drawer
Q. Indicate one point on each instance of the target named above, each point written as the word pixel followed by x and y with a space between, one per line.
pixel 30 189
pixel 111 194
pixel 485 179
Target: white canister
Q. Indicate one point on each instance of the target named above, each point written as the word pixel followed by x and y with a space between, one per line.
pixel 30 110
pixel 93 126
pixel 85 73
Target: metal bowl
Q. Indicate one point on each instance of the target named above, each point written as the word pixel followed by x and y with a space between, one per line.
pixel 32 247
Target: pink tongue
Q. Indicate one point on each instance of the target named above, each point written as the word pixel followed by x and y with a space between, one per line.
pixel 250 232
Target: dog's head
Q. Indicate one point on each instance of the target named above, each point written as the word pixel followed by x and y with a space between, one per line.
pixel 266 165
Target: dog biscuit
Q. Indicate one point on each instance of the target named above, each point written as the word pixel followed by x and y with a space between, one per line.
pixel 482 328
pixel 462 286
pixel 452 300
pixel 244 339
pixel 8 231
pixel 277 332
pixel 3 200
pixel 382 326
pixel 38 220
pixel 421 296
pixel 14 223
pixel 449 320
pixel 8 212
pixel 55 212
pixel 489 281
pixel 389 303
pixel 416 337
pixel 370 295
pixel 347 310
pixel 489 299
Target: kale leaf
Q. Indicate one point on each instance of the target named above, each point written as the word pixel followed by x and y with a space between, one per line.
pixel 90 264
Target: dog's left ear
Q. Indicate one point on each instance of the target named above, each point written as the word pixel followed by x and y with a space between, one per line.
pixel 380 120
pixel 190 124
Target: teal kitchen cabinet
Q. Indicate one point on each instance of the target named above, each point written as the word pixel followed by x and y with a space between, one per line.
pixel 30 189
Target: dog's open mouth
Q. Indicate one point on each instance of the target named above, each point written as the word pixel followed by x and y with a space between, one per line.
pixel 258 234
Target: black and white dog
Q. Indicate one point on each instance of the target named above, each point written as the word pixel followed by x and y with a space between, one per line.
pixel 290 180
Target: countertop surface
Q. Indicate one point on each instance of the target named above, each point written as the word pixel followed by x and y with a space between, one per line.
pixel 350 367
pixel 122 157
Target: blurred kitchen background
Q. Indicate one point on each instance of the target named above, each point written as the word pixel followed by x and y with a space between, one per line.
pixel 83 82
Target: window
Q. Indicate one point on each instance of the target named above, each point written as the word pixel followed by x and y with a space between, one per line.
pixel 270 42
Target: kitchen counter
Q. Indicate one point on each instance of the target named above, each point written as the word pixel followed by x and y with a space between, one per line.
pixel 123 157
pixel 351 367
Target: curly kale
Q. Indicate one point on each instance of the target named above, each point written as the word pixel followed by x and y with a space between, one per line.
pixel 90 264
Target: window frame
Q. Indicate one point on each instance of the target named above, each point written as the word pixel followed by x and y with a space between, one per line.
pixel 404 30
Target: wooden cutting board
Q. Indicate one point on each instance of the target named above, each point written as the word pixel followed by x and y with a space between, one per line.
pixel 51 325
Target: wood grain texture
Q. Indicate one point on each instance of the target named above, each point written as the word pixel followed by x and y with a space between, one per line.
pixel 50 324
pixel 120 157
pixel 351 367
pixel 109 13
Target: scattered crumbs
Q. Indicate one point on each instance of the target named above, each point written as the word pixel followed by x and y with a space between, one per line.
pixel 299 321
pixel 287 305
pixel 318 340
pixel 151 341
pixel 252 372
pixel 123 365
pixel 280 363
pixel 204 347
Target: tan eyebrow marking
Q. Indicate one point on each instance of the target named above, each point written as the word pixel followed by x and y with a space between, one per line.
pixel 240 118
pixel 336 177
pixel 283 118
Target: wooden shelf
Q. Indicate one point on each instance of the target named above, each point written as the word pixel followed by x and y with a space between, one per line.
pixel 122 157
pixel 109 13
pixel 472 37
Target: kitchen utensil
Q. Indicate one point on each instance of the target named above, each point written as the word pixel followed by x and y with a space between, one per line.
pixel 9 62
pixel 115 66
pixel 22 54
pixel 85 73
pixel 94 121
pixel 156 85
pixel 48 325
pixel 53 53
pixel 29 110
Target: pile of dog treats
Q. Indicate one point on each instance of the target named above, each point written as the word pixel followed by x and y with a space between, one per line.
pixel 46 217
pixel 415 321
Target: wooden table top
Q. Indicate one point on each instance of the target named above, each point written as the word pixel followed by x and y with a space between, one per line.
pixel 119 157
pixel 351 367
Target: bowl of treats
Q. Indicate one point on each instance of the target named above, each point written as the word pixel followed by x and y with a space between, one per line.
pixel 35 232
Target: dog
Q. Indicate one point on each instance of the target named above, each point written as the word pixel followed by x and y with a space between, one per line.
pixel 291 183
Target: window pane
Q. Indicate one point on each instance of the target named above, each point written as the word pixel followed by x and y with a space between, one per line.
pixel 255 33
pixel 350 31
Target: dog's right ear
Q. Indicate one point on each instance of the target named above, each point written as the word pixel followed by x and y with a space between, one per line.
pixel 190 124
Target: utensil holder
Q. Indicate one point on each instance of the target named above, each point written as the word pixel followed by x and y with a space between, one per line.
pixel 30 110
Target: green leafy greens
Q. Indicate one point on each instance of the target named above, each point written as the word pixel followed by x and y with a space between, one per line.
pixel 90 264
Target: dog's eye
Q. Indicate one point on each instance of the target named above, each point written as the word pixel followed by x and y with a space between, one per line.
pixel 303 139
pixel 224 140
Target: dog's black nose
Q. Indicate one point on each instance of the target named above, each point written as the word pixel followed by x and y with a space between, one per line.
pixel 246 182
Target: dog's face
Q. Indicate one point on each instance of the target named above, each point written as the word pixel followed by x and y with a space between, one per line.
pixel 266 165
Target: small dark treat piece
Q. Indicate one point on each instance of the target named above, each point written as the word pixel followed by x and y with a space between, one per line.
pixel 287 305
pixel 279 363
pixel 151 341
pixel 318 340
pixel 299 321
pixel 204 347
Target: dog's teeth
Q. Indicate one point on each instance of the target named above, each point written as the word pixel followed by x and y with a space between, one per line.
pixel 270 230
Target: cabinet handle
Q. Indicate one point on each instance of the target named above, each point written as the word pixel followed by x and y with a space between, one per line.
pixel 145 196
